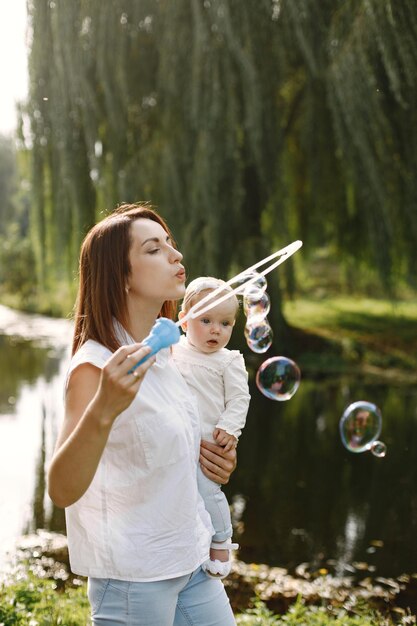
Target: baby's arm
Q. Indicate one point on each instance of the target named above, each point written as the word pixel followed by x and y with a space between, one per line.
pixel 229 442
pixel 236 396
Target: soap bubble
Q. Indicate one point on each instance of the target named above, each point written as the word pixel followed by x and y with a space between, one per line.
pixel 256 308
pixel 260 282
pixel 252 294
pixel 360 425
pixel 259 336
pixel 278 378
pixel 379 449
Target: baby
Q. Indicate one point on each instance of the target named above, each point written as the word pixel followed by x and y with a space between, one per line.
pixel 219 380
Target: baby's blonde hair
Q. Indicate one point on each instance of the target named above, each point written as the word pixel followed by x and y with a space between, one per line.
pixel 199 287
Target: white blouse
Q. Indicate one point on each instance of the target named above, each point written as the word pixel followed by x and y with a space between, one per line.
pixel 219 381
pixel 142 518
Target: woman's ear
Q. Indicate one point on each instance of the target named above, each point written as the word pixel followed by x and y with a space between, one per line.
pixel 184 325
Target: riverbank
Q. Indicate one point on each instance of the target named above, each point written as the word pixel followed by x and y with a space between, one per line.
pixel 372 337
pixel 332 335
pixel 376 339
pixel 260 595
pixel 50 331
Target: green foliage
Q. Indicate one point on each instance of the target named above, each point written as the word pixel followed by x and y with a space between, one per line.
pixel 258 615
pixel 8 180
pixel 299 615
pixel 35 602
pixel 17 265
pixel 248 124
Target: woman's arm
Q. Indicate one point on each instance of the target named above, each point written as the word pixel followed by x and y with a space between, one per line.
pixel 217 464
pixel 94 399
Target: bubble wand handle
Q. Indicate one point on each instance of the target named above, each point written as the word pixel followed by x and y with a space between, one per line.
pixel 165 332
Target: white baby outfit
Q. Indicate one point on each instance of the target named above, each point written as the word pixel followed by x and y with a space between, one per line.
pixel 219 381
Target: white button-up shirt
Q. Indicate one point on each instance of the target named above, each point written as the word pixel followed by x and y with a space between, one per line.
pixel 142 518
pixel 219 381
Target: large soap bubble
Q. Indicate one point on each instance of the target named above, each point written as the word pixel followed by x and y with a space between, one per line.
pixel 259 336
pixel 360 425
pixel 278 378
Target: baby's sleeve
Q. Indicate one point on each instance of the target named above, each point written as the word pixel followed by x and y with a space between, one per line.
pixel 237 397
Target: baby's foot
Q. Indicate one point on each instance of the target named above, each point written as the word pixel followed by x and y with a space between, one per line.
pixel 219 564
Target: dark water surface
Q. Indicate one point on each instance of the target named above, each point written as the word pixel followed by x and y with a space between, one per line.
pixel 297 495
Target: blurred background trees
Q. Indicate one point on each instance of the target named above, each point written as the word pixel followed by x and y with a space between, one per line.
pixel 247 124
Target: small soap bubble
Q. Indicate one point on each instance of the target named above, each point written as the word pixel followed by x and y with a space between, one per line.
pixel 360 425
pixel 259 283
pixel 278 378
pixel 252 293
pixel 256 309
pixel 259 337
pixel 379 449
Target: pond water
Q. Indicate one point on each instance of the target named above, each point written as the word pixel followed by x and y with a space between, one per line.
pixel 298 496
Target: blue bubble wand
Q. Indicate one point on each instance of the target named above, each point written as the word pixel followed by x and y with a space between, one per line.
pixel 165 332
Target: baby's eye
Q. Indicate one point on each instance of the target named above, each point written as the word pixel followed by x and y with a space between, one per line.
pixel 205 320
pixel 226 323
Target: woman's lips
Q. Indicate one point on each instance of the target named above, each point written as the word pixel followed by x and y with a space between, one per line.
pixel 181 274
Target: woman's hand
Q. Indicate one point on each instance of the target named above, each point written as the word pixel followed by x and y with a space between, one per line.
pixel 118 385
pixel 216 463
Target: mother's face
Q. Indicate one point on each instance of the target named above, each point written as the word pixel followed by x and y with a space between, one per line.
pixel 156 272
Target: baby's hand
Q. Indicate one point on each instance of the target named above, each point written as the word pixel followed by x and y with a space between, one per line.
pixel 228 442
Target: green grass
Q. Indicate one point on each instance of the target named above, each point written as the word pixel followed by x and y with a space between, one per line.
pixel 354 311
pixel 28 600
pixel 31 601
pixel 301 615
pixel 373 333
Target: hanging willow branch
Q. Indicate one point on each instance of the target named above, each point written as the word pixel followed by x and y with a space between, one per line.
pixel 248 124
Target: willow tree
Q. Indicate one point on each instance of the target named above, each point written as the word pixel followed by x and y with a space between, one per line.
pixel 372 91
pixel 8 181
pixel 248 124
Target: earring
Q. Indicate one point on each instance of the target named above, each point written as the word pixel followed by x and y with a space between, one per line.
pixel 127 289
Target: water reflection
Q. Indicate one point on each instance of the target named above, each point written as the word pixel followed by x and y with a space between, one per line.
pixel 297 495
pixel 20 363
pixel 31 373
pixel 308 499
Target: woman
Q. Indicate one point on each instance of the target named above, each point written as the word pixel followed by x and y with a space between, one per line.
pixel 125 462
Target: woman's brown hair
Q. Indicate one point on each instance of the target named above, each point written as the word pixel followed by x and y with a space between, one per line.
pixel 103 273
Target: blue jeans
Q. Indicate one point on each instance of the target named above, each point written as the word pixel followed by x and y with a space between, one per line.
pixel 191 600
pixel 217 506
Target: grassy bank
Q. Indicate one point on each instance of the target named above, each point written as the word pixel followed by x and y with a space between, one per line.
pixel 38 589
pixel 28 599
pixel 377 337
pixel 328 334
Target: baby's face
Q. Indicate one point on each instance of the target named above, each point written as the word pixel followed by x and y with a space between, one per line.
pixel 212 331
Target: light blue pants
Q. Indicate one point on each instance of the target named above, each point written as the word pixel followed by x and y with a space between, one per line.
pixel 217 505
pixel 191 600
